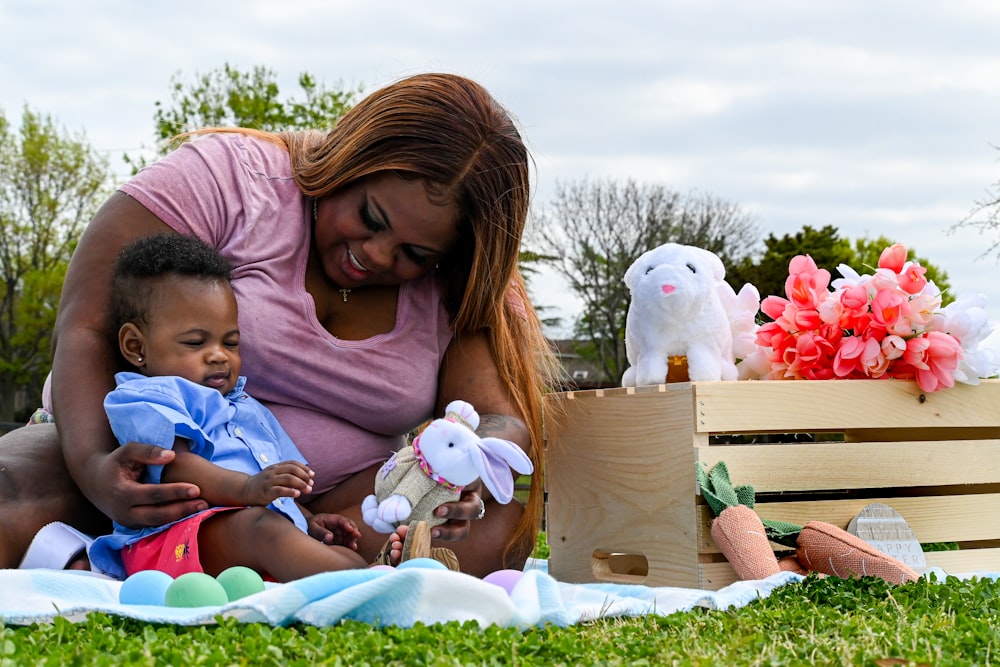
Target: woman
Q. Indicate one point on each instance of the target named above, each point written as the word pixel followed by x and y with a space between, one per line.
pixel 376 273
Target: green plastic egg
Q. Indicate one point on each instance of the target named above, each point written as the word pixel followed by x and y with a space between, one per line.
pixel 195 589
pixel 239 582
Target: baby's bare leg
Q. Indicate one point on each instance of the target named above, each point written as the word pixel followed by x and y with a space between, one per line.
pixel 36 489
pixel 266 541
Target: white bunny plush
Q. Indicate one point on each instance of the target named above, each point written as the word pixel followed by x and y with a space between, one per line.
pixel 445 457
pixel 683 307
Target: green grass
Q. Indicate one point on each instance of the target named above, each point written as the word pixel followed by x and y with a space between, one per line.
pixel 821 621
pixel 818 622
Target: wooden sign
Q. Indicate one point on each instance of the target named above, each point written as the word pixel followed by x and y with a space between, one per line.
pixel 885 529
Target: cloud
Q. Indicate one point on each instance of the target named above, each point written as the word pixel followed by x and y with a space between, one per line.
pixel 879 118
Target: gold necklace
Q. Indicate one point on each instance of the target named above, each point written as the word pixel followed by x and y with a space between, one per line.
pixel 343 291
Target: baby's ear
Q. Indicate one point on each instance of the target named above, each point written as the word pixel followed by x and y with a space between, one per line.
pixel 132 344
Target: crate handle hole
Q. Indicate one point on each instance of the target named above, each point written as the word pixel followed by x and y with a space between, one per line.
pixel 625 567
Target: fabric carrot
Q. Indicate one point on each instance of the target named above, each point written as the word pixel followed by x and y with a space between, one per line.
pixel 745 539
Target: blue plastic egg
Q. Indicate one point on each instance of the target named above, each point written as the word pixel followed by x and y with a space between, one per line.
pixel 145 587
pixel 422 563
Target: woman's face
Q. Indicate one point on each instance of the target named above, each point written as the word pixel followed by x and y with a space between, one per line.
pixel 384 230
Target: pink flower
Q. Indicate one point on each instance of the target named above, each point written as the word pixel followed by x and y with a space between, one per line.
pixel 813 354
pixel 889 311
pixel 806 283
pixel 854 297
pixel 773 306
pixel 887 324
pixel 847 361
pixel 893 258
pixel 934 356
pixel 911 278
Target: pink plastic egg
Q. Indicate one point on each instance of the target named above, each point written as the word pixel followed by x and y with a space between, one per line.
pixel 505 579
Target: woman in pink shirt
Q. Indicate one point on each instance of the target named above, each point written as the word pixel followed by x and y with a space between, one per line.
pixel 376 275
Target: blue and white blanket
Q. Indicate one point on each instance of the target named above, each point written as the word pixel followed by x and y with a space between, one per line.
pixel 401 597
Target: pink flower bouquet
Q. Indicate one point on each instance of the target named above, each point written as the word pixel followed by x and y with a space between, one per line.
pixel 886 325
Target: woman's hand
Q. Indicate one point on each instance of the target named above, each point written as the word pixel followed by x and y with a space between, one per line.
pixel 134 504
pixel 460 514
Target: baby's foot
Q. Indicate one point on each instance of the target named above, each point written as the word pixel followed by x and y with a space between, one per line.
pixel 392 550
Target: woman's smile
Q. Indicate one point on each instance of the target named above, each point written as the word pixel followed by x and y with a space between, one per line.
pixel 385 230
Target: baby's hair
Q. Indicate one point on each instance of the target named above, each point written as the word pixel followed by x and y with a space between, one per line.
pixel 143 262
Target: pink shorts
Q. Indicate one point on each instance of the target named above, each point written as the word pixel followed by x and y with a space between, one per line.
pixel 174 550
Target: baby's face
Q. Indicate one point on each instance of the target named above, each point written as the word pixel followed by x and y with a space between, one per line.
pixel 193 332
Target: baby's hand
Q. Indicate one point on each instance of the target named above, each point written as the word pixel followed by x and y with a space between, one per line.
pixel 288 479
pixel 334 529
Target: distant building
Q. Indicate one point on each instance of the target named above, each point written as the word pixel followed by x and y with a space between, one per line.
pixel 579 374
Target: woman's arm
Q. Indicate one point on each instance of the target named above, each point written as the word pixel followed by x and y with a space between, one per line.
pixel 469 373
pixel 84 363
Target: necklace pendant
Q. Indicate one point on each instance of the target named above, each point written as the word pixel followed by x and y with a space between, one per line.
pixel 344 293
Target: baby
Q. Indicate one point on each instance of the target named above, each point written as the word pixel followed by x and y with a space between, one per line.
pixel 176 317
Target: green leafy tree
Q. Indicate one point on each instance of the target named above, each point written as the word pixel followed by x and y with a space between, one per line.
pixel 51 184
pixel 768 274
pixel 530 263
pixel 229 97
pixel 593 231
pixel 829 251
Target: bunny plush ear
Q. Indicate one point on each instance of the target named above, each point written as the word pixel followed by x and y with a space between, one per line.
pixel 712 261
pixel 639 267
pixel 497 457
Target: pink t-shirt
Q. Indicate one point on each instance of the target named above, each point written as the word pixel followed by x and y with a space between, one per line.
pixel 346 404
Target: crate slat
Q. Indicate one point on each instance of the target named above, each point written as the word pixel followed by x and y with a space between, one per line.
pixel 835 405
pixel 858 465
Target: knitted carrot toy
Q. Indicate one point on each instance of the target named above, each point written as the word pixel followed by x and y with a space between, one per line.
pixel 744 538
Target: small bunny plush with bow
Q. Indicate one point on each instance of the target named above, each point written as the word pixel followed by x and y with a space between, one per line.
pixel 682 307
pixel 444 458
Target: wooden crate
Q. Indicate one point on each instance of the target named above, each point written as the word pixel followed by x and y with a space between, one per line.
pixel 621 497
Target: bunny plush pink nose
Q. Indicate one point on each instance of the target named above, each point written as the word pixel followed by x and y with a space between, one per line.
pixel 667 289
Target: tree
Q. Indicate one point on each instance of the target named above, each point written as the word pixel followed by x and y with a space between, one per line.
pixel 829 251
pixel 985 217
pixel 51 184
pixel 768 274
pixel 227 97
pixel 593 231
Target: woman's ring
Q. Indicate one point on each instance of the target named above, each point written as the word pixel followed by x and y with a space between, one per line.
pixel 482 509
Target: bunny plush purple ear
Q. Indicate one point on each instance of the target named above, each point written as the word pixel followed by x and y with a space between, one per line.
pixel 497 457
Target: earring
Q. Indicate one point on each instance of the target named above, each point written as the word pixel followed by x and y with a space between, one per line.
pixel 139 359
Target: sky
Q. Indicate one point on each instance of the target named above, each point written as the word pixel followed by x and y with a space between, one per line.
pixel 877 117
